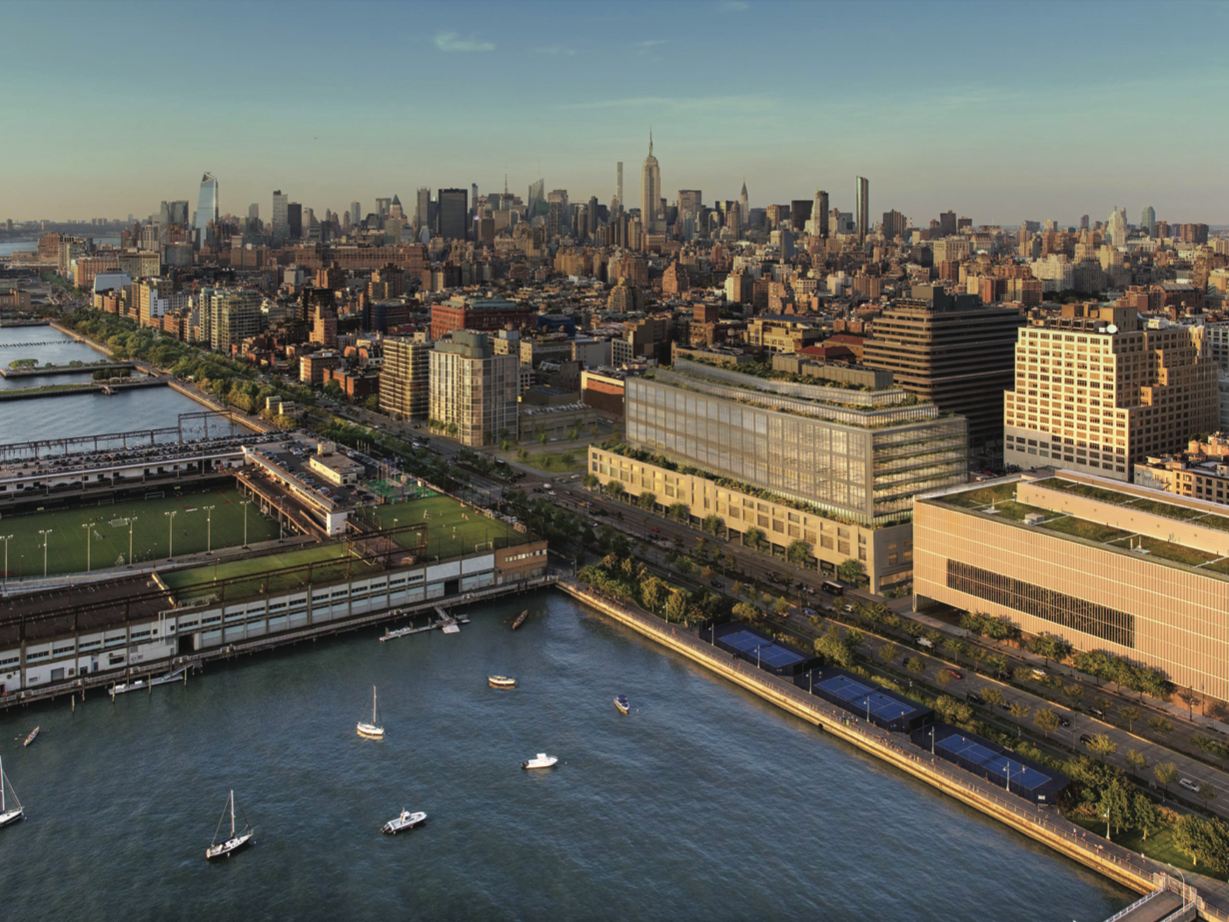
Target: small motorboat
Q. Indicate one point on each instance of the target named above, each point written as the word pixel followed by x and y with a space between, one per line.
pixel 501 681
pixel 520 619
pixel 542 760
pixel 32 737
pixel 236 841
pixel 406 820
pixel 621 703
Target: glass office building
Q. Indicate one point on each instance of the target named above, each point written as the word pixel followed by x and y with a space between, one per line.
pixel 207 206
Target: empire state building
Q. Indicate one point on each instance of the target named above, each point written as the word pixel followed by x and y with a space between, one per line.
pixel 651 215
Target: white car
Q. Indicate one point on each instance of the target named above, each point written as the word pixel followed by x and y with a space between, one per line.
pixel 1192 786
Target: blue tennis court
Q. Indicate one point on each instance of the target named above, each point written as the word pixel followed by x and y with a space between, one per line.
pixel 863 698
pixel 766 651
pixel 1019 774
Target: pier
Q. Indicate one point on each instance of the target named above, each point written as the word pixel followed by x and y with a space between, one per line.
pixel 47 370
pixel 1143 875
pixel 96 387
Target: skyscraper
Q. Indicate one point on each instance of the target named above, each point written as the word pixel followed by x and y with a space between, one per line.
pixel 422 216
pixel 690 201
pixel 294 221
pixel 862 212
pixel 619 184
pixel 1147 221
pixel 207 207
pixel 537 193
pixel 591 216
pixel 1116 228
pixel 356 212
pixel 254 211
pixel 281 218
pixel 453 213
pixel 819 212
pixel 650 192
pixel 744 206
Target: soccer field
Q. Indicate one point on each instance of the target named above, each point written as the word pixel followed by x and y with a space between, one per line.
pixel 201 579
pixel 449 532
pixel 192 530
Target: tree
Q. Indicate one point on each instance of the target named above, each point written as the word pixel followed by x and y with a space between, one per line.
pixel 713 524
pixel 676 606
pixel 1047 721
pixel 745 611
pixel 997 664
pixel 851 571
pixel 522 454
pixel 1144 815
pixel 372 403
pixel 1019 710
pixel 854 639
pixel 916 665
pixel 888 652
pixel 752 537
pixel 1188 697
pixel 1102 746
pixel 589 481
pixel 614 488
pixel 954 649
pixel 1115 805
pixel 1136 761
pixel 1160 725
pixel 1166 773
pixel 679 512
pixel 652 592
pixel 943 678
pixel 683 565
pixel 1206 793
pixel 646 501
pixel 543 438
pixel 994 697
pixel 737 588
pixel 1130 715
pixel 1189 836
pixel 780 605
pixel 798 552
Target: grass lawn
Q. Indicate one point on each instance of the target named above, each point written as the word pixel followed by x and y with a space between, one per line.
pixel 449 532
pixel 150 527
pixel 1169 510
pixel 1159 846
pixel 200 579
pixel 1219 522
pixel 983 497
pixel 1079 528
pixel 1168 551
pixel 556 463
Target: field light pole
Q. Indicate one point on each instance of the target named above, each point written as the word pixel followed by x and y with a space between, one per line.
pixel 170 534
pixel 6 539
pixel 45 534
pixel 208 529
pixel 130 521
pixel 87 526
pixel 245 505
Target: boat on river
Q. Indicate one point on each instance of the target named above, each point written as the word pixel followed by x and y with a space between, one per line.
pixel 236 841
pixel 373 730
pixel 32 737
pixel 620 702
pixel 541 760
pixel 501 681
pixel 406 820
pixel 520 619
pixel 8 814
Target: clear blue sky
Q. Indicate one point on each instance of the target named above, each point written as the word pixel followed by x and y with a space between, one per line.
pixel 999 111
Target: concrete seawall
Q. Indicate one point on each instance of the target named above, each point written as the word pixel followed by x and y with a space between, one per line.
pixel 1125 868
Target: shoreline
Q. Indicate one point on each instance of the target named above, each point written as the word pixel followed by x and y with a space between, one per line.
pixel 1141 875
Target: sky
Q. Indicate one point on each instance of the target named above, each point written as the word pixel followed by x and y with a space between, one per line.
pixel 998 111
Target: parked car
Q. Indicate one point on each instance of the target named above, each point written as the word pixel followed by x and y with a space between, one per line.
pixel 974 698
pixel 716 584
pixel 655 530
pixel 1192 786
pixel 1085 738
pixel 955 673
pixel 1063 721
pixel 1096 712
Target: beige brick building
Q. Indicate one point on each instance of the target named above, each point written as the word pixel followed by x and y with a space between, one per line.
pixel 1102 564
pixel 1095 392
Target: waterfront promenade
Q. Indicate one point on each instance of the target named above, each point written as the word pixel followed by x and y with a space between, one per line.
pixel 1042 824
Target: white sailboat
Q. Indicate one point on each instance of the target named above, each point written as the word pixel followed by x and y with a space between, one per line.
pixel 235 842
pixel 373 730
pixel 8 814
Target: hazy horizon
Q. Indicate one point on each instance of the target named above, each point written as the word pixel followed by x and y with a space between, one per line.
pixel 1001 112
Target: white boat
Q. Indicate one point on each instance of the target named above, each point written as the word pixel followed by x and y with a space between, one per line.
pixel 235 842
pixel 542 760
pixel 501 681
pixel 32 737
pixel 120 688
pixel 406 820
pixel 373 730
pixel 621 703
pixel 8 814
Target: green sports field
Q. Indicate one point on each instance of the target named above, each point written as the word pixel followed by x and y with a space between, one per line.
pixel 201 579
pixel 449 532
pixel 151 529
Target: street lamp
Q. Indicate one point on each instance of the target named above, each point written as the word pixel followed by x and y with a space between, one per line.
pixel 1007 768
pixel 130 521
pixel 208 529
pixel 87 526
pixel 245 505
pixel 6 539
pixel 45 533
pixel 170 534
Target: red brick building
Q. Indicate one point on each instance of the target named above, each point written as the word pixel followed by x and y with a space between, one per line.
pixel 483 314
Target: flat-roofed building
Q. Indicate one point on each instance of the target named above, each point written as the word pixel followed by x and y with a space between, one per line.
pixel 1096 392
pixel 484 314
pixel 473 391
pixel 1102 564
pixel 405 379
pixel 233 315
pixel 952 350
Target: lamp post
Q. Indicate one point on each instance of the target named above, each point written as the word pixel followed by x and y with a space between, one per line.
pixel 1007 768
pixel 45 533
pixel 6 539
pixel 130 521
pixel 208 529
pixel 87 526
pixel 245 505
pixel 170 534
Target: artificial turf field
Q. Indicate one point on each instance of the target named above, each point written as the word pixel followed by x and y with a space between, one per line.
pixel 441 514
pixel 66 542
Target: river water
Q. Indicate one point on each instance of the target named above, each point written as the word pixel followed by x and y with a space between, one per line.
pixel 703 803
pixel 77 414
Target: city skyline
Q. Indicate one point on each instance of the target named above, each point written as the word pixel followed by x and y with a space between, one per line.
pixel 953 128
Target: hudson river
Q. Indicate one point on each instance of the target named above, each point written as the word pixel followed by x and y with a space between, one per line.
pixel 703 803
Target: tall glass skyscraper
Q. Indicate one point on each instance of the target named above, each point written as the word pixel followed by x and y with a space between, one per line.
pixel 862 207
pixel 207 206
pixel 281 217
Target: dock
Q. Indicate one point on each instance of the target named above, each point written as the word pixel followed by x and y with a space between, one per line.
pixel 444 622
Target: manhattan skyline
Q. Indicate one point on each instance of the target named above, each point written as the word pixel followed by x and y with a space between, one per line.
pixel 987 109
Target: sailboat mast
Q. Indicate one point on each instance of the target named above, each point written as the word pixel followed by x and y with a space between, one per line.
pixel 373 705
pixel 232 814
pixel 1 785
